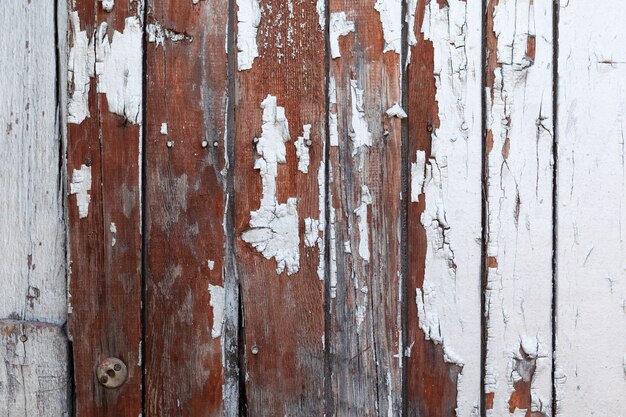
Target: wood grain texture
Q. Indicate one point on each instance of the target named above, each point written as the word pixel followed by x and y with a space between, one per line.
pixel 444 215
pixel 185 200
pixel 520 173
pixel 365 337
pixel 104 237
pixel 591 324
pixel 282 296
pixel 32 232
pixel 34 377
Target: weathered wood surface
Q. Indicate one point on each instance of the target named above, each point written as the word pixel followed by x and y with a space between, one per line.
pixel 365 337
pixel 104 206
pixel 444 213
pixel 34 362
pixel 34 371
pixel 279 108
pixel 186 93
pixel 519 149
pixel 591 324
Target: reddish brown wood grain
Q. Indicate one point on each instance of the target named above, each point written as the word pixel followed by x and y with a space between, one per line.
pixel 105 284
pixel 431 383
pixel 365 315
pixel 283 316
pixel 185 199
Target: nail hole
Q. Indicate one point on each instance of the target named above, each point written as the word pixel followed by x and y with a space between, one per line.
pixel 111 373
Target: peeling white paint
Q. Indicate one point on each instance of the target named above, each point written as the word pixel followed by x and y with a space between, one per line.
pixel 108 4
pixel 113 230
pixel 210 264
pixel 339 26
pixel 80 69
pixel 164 128
pixel 417 175
pixel 157 34
pixel 248 20
pixel 321 13
pixel 119 68
pixel 360 133
pixel 302 149
pixel 391 20
pixel 311 231
pixel 80 185
pixel 396 111
pixel 217 302
pixel 362 213
pixel 274 226
pixel 333 124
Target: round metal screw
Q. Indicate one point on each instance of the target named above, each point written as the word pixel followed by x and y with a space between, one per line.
pixel 112 373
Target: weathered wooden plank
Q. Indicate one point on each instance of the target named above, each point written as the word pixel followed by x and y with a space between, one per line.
pixel 186 169
pixel 280 92
pixel 365 337
pixel 519 203
pixel 103 162
pixel 34 377
pixel 591 324
pixel 32 234
pixel 444 214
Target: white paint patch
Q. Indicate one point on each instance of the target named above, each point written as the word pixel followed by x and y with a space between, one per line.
pixel 217 302
pixel 210 264
pixel 119 68
pixel 362 212
pixel 339 26
pixel 332 119
pixel 302 149
pixel 113 230
pixel 80 68
pixel 417 176
pixel 108 4
pixel 157 34
pixel 80 185
pixel 391 19
pixel 311 231
pixel 274 227
pixel 248 19
pixel 396 111
pixel 164 128
pixel 321 13
pixel 360 134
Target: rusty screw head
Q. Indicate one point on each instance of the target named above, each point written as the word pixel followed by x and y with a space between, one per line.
pixel 112 373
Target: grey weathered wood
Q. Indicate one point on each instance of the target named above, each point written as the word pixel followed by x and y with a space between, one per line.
pixel 34 374
pixel 33 354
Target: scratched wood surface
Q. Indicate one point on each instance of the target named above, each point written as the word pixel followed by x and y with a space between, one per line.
pixel 365 337
pixel 104 207
pixel 186 93
pixel 519 208
pixel 444 209
pixel 279 130
pixel 591 324
pixel 34 362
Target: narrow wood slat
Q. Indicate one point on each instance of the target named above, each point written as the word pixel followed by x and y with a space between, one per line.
pixel 34 377
pixel 103 160
pixel 282 296
pixel 591 324
pixel 519 188
pixel 444 215
pixel 365 337
pixel 185 199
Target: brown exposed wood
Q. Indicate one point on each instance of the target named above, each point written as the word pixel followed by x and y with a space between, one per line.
pixel 521 398
pixel 491 47
pixel 187 90
pixel 431 382
pixel 364 316
pixel 283 357
pixel 531 48
pixel 105 285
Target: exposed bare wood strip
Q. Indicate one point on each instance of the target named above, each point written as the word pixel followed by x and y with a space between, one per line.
pixel 519 287
pixel 444 224
pixel 591 331
pixel 278 93
pixel 186 138
pixel 103 162
pixel 365 164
